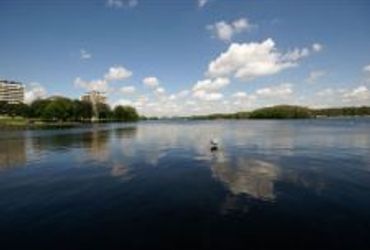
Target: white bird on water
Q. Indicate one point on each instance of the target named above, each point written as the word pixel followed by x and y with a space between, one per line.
pixel 214 144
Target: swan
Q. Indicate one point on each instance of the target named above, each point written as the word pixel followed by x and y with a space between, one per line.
pixel 214 144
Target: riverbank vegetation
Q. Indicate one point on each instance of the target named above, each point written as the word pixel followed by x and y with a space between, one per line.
pixel 63 110
pixel 290 112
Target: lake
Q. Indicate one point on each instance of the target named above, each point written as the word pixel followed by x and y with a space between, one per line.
pixel 292 184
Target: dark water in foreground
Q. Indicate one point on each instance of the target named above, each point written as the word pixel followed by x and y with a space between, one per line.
pixel 156 185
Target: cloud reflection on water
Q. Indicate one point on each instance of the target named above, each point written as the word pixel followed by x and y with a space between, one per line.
pixel 247 176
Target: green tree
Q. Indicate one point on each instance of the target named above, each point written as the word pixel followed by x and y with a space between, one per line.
pixel 21 109
pixel 281 112
pixel 3 108
pixel 125 113
pixel 104 111
pixel 14 109
pixel 58 109
pixel 37 107
pixel 82 110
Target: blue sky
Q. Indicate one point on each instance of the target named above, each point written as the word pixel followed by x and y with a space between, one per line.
pixel 190 56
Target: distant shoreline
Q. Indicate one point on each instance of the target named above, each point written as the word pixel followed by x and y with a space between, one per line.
pixel 290 112
pixel 280 112
pixel 67 125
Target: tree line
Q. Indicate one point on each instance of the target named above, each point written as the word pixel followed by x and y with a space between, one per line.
pixel 290 112
pixel 65 109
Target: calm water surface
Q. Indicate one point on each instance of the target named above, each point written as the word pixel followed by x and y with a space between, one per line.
pixel 156 185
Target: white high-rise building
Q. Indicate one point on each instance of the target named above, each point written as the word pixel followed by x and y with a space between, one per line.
pixel 94 97
pixel 11 92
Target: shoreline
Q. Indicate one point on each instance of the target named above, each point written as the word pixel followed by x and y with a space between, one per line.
pixel 19 124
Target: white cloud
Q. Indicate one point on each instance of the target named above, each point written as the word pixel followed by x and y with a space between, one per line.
pixel 225 31
pixel 179 95
pixel 183 93
pixel 242 101
pixel 355 96
pixel 239 95
pixel 281 91
pixel 317 47
pixel 128 90
pixel 34 91
pixel 151 81
pixel 204 96
pixel 123 102
pixel 325 92
pixel 98 85
pixel 160 90
pixel 222 30
pixel 211 85
pixel 296 54
pixel 360 93
pixel 247 61
pixel 84 55
pixel 367 68
pixel 113 74
pixel 117 73
pixel 315 75
pixel 119 4
pixel 202 3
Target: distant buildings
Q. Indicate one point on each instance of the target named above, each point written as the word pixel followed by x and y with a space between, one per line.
pixel 94 97
pixel 11 92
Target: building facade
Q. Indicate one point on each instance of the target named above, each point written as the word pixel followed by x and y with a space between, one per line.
pixel 11 92
pixel 94 97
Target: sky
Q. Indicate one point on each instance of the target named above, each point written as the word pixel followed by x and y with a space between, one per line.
pixel 186 57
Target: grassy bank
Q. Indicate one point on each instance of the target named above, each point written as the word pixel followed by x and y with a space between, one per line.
pixel 24 123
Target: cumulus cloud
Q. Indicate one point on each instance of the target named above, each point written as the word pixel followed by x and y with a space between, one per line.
pixel 151 82
pixel 325 92
pixel 225 31
pixel 119 4
pixel 315 75
pixel 128 90
pixel 357 94
pixel 211 85
pixel 34 91
pixel 367 68
pixel 242 100
pixel 317 47
pixel 98 84
pixel 202 3
pixel 247 61
pixel 207 90
pixel 179 95
pixel 295 55
pixel 183 93
pixel 113 74
pixel 117 73
pixel 239 95
pixel 84 55
pixel 280 91
pixel 204 96
pixel 123 102
pixel 160 90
